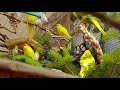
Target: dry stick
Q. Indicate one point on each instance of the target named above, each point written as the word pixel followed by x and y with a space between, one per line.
pixel 4 36
pixel 106 19
pixel 2 40
pixel 26 69
pixel 3 45
pixel 62 37
pixel 7 29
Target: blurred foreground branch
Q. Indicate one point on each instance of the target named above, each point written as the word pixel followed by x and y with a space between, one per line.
pixel 19 69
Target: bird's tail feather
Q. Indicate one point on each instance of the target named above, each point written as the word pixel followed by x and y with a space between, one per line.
pixel 98 26
pixel 30 31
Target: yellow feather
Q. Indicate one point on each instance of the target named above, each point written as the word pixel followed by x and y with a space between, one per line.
pixel 89 18
pixel 98 26
pixel 74 13
pixel 63 31
pixel 28 51
pixel 31 19
pixel 87 63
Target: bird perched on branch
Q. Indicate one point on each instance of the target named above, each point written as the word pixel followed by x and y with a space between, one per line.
pixel 63 31
pixel 84 17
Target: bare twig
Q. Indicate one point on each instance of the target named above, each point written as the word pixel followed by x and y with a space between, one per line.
pixel 10 16
pixel 2 40
pixel 3 45
pixel 4 36
pixel 61 37
pixel 7 29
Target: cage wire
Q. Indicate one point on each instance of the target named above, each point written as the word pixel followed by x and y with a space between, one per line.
pixel 111 45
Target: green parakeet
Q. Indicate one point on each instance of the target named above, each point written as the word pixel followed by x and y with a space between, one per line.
pixel 87 63
pixel 84 17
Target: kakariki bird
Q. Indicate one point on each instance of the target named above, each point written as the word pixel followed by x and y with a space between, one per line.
pixel 28 50
pixel 63 31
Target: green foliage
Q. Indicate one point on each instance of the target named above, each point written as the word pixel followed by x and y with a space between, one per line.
pixel 110 66
pixel 27 59
pixel 32 61
pixel 43 40
pixel 19 58
pixel 96 30
pixel 62 62
pixel 64 51
pixel 111 34
pixel 115 15
pixel 3 54
pixel 39 37
pixel 72 68
pixel 55 56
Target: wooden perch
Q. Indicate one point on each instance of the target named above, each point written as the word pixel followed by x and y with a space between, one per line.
pixel 106 19
pixel 19 69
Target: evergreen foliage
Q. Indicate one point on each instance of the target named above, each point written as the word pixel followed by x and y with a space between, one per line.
pixel 27 59
pixel 62 61
pixel 110 66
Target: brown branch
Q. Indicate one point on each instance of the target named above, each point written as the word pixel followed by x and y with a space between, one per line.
pixel 3 45
pixel 61 37
pixel 7 29
pixel 4 36
pixel 15 67
pixel 10 16
pixel 2 40
pixel 106 19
